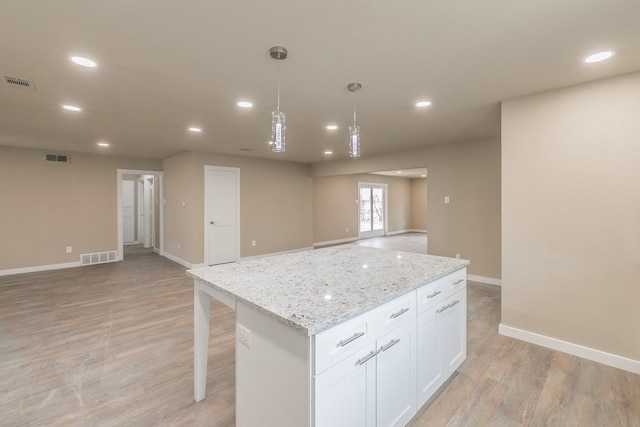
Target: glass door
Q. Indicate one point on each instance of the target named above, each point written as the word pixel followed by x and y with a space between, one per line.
pixel 372 207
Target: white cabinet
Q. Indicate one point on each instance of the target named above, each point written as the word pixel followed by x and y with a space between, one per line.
pixel 343 393
pixel 396 376
pixel 377 369
pixel 376 386
pixel 441 334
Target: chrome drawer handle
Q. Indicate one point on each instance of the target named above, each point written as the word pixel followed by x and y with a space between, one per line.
pixel 446 307
pixel 433 295
pixel 399 313
pixel 390 344
pixel 458 282
pixel 355 336
pixel 367 357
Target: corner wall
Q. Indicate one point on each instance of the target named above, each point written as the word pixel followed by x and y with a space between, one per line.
pixel 571 216
pixel 335 205
pixel 46 207
pixel 275 205
pixel 469 173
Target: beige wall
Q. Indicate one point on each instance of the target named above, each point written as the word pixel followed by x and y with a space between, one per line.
pixel 46 207
pixel 335 207
pixel 418 204
pixel 469 173
pixel 571 214
pixel 275 204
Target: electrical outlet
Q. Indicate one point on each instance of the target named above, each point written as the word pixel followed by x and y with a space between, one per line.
pixel 244 336
pixel 458 256
pixel 347 229
pixel 253 243
pixel 69 249
pixel 446 199
pixel 178 246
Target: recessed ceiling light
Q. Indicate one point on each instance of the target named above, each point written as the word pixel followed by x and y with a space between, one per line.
pixel 398 172
pixel 85 62
pixel 71 108
pixel 332 127
pixel 195 129
pixel 103 144
pixel 328 152
pixel 597 57
pixel 423 103
pixel 245 104
pixel 424 176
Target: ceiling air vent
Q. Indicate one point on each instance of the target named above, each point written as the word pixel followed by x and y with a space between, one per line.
pixel 19 83
pixel 57 158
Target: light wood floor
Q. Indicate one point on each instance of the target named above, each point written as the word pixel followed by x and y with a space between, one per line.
pixel 112 345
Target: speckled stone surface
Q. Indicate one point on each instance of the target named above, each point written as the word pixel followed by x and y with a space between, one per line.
pixel 314 290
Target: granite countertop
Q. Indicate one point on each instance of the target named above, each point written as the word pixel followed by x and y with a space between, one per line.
pixel 314 290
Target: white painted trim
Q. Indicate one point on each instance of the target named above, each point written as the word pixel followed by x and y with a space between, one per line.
pixel 415 230
pixel 38 268
pixel 278 253
pixel 335 242
pixel 178 260
pixel 482 279
pixel 571 348
pixel 391 233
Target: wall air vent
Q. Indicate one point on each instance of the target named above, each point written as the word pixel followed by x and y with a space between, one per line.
pixel 98 258
pixel 57 158
pixel 18 82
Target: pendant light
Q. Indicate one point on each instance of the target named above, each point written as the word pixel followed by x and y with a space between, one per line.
pixel 354 131
pixel 277 117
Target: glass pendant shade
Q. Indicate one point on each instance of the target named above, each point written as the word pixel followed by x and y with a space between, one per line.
pixel 354 141
pixel 277 131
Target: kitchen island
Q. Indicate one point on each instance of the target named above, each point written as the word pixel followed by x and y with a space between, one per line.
pixel 346 335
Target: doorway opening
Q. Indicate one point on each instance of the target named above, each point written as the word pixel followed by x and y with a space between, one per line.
pixel 372 210
pixel 140 213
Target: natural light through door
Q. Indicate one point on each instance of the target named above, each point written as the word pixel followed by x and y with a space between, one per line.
pixel 372 210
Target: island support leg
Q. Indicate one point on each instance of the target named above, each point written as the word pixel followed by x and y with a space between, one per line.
pixel 201 319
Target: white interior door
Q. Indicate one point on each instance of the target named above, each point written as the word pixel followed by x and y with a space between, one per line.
pixel 128 212
pixel 147 240
pixel 221 213
pixel 140 211
pixel 372 210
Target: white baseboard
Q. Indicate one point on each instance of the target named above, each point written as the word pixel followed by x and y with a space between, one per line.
pixel 38 268
pixel 178 260
pixel 393 233
pixel 571 348
pixel 278 253
pixel 482 279
pixel 415 230
pixel 335 242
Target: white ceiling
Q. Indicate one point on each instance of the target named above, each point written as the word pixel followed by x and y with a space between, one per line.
pixel 167 65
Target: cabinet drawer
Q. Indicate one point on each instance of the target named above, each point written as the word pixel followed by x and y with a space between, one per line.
pixel 341 341
pixel 456 280
pixel 440 289
pixel 394 313
pixel 431 294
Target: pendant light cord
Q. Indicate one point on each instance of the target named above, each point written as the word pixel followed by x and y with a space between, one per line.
pixel 278 79
pixel 354 109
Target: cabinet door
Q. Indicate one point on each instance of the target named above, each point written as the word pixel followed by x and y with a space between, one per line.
pixel 345 393
pixel 396 376
pixel 454 332
pixel 429 360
